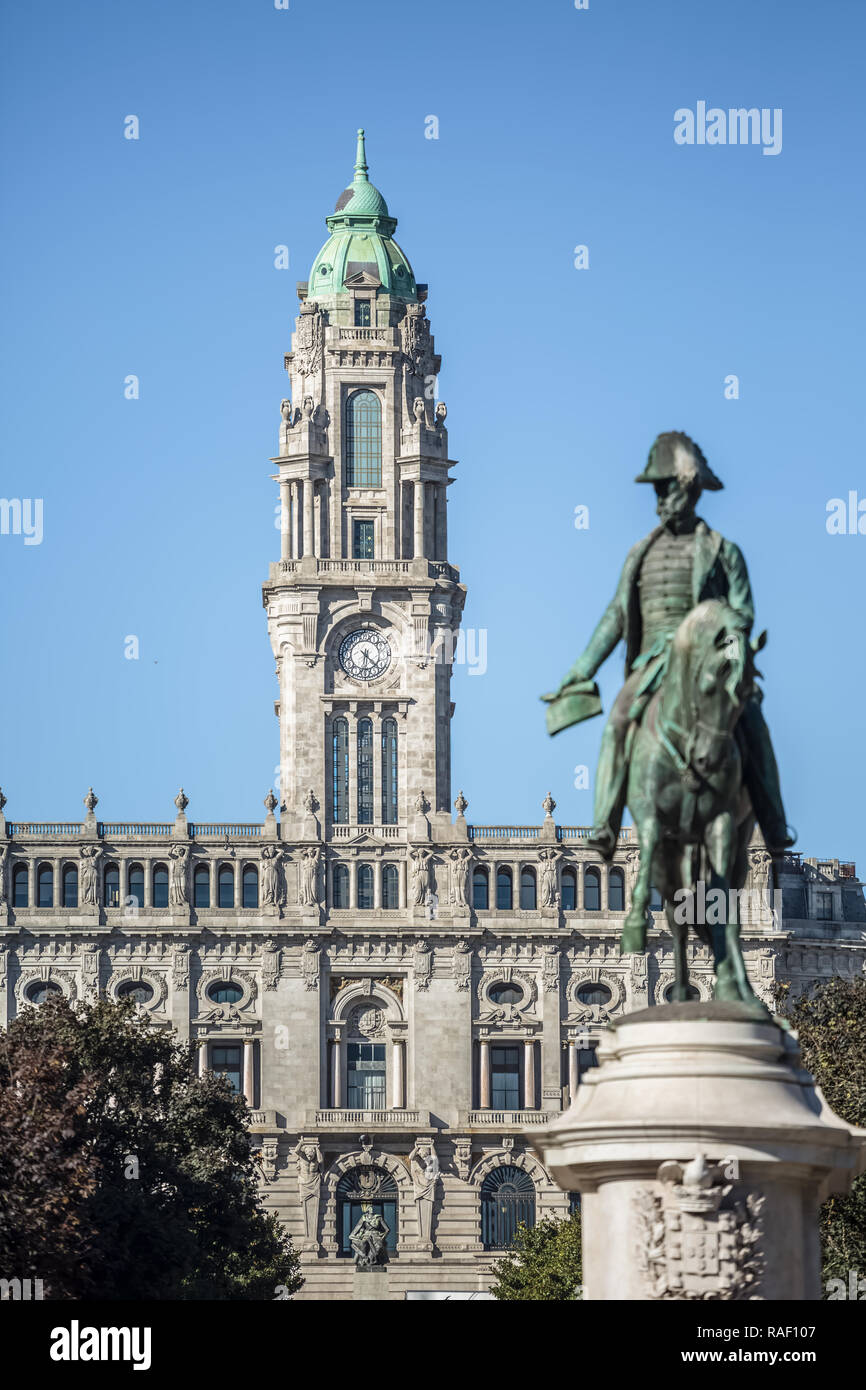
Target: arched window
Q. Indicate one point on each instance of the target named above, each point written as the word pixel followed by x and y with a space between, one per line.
pixel 569 890
pixel 503 890
pixel 377 1198
pixel 135 884
pixel 111 885
pixel 19 886
pixel 160 885
pixel 201 886
pixel 655 903
pixel 591 890
pixel 38 992
pixel 691 993
pixel 616 890
pixel 341 885
pixel 480 889
pixel 340 770
pixel 365 886
pixel 250 886
pixel 365 772
pixel 70 885
pixel 363 440
pixel 389 772
pixel 590 993
pixel 137 990
pixel 507 1201
pixel 527 890
pixel 505 993
pixel 45 886
pixel 390 887
pixel 226 886
pixel 225 992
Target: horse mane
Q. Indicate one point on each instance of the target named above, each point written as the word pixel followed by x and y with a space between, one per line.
pixel 695 636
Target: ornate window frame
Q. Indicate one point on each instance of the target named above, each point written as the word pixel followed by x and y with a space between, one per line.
pixel 146 976
pixel 44 974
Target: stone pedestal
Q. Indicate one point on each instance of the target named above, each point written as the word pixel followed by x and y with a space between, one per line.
pixel 371 1283
pixel 702 1150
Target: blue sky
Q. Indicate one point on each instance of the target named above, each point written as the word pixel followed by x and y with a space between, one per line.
pixel 155 257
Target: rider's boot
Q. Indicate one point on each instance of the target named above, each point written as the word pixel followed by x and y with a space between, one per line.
pixel 609 792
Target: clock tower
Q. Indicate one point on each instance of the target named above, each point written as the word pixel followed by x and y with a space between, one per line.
pixel 363 606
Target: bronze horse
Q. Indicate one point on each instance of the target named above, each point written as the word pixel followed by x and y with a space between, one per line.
pixel 687 798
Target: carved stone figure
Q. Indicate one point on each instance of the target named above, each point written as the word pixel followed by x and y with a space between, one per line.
pixel 309 339
pixel 310 1161
pixel 4 857
pixel 270 876
pixel 548 859
pixel 424 1168
pixel 179 855
pixel 90 855
pixel 308 879
pixel 422 875
pixel 421 803
pixel 422 964
pixel 368 1238
pixel 461 872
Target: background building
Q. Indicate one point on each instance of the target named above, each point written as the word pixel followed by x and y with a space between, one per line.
pixel 398 993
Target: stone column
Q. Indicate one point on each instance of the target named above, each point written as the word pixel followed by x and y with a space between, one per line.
pixel 55 879
pixel 573 1071
pixel 214 881
pixel 604 874
pixel 377 884
pixel 31 880
pixel 353 884
pixel 484 1075
pixel 443 522
pixel 308 516
pixel 249 1058
pixel 401 869
pixel 419 519
pixel 337 1074
pixel 529 1073
pixel 376 720
pixel 202 1057
pixel 397 1077
pixel 317 518
pixel 285 519
pixel 147 866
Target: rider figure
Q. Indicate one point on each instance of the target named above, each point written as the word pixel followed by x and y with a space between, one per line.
pixel 665 575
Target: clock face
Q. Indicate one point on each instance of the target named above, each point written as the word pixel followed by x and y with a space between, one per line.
pixel 365 654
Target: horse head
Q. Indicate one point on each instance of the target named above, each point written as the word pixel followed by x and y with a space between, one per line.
pixel 710 676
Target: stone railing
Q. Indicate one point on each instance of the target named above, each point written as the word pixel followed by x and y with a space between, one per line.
pixel 382 832
pixel 213 830
pixel 122 830
pixel 363 566
pixel 503 832
pixel 364 335
pixel 373 1119
pixel 24 829
pixel 498 1118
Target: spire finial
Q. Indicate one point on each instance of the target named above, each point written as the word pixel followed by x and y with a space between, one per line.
pixel 361 160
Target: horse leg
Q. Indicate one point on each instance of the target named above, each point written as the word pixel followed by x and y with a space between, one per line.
pixel 719 840
pixel 679 931
pixel 742 835
pixel 633 936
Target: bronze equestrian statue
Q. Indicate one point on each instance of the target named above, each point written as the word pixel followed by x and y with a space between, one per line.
pixel 686 745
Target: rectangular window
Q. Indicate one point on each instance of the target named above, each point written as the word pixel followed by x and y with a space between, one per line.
pixel 226 1061
pixel 362 313
pixel 824 907
pixel 505 1078
pixel 366 1076
pixel 586 1057
pixel 362 540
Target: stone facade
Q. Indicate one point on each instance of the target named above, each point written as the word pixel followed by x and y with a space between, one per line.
pixel 368 943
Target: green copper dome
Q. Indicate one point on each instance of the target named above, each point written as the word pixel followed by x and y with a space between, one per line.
pixel 361 240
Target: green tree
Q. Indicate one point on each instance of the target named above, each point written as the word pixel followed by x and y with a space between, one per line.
pixel 830 1023
pixel 544 1263
pixel 122 1174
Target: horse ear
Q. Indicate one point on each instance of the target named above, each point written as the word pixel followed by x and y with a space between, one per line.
pixel 759 643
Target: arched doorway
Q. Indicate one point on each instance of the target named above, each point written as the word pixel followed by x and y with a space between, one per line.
pixel 507 1199
pixel 365 1187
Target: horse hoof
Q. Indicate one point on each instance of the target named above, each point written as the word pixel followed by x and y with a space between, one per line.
pixel 632 940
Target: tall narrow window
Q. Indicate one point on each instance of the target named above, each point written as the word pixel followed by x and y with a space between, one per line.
pixel 135 884
pixel 527 890
pixel 569 890
pixel 389 772
pixel 70 886
pixel 365 772
pixel 362 313
pixel 616 890
pixel 250 886
pixel 340 771
pixel 201 886
pixel 160 885
pixel 226 886
pixel 363 440
pixel 592 891
pixel 390 887
pixel 507 1203
pixel 365 1076
pixel 505 1078
pixel 363 545
pixel 341 886
pixel 365 886
pixel 226 1061
pixel 45 886
pixel 480 889
pixel 112 885
pixel 19 885
pixel 503 890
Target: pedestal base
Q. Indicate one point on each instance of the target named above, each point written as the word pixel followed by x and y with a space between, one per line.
pixel 371 1283
pixel 702 1150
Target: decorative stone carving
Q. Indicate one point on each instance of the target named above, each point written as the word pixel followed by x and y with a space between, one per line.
pixel 271 876
pixel 461 804
pixel 422 964
pixel 462 963
pixel 311 803
pixel 639 983
pixel 421 803
pixel 140 974
pixel 416 343
pixel 4 964
pixel 595 1013
pixel 463 1157
pixel 90 856
pixel 47 974
pixel 309 339
pixel 549 805
pixel 422 875
pixel 424 1169
pixel 180 965
pixel 268 1161
pixel 308 876
pixel 367 1021
pixel 460 876
pixel 242 1011
pixel 549 894
pixel 491 1012
pixel 310 963
pixel 666 978
pixel 180 857
pixel 90 971
pixel 181 801
pixel 693 1242
pixel 270 802
pixel 271 958
pixel 309 1157
pixel 91 801
pixel 550 967
pixel 4 858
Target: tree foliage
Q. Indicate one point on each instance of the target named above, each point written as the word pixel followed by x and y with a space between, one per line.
pixel 122 1174
pixel 831 1026
pixel 544 1263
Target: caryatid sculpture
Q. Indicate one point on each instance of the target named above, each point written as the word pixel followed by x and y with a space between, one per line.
pixel 686 746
